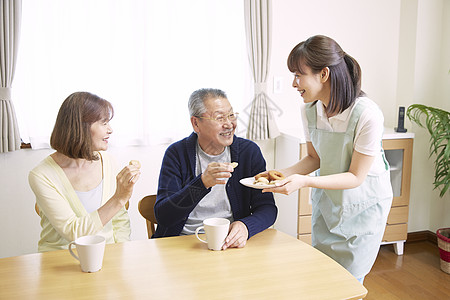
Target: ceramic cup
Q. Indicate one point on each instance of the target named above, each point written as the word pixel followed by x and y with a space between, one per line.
pixel 90 249
pixel 216 230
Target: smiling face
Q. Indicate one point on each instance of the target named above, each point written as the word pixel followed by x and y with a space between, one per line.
pixel 100 132
pixel 312 86
pixel 214 136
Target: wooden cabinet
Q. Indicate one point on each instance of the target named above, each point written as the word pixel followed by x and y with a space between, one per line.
pixel 398 149
pixel 304 208
pixel 399 155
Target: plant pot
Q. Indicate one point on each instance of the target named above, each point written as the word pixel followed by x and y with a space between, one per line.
pixel 443 235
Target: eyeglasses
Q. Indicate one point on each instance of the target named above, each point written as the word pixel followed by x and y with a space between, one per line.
pixel 223 118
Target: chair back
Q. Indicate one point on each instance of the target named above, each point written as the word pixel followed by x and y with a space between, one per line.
pixel 146 208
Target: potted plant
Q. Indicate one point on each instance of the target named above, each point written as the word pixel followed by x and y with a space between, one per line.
pixel 437 122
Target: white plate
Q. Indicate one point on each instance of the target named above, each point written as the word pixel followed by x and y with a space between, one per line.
pixel 249 181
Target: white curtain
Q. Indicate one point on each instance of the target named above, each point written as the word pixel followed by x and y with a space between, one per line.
pixel 258 25
pixel 10 14
pixel 144 56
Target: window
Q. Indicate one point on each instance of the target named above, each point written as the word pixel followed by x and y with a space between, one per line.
pixel 145 57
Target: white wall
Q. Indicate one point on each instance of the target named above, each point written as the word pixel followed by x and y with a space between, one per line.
pixel 441 207
pixel 430 87
pixel 367 30
pixel 19 222
pixel 395 42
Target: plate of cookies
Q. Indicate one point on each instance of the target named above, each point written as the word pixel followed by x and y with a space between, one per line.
pixel 263 180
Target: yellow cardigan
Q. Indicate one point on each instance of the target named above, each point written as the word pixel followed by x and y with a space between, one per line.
pixel 63 216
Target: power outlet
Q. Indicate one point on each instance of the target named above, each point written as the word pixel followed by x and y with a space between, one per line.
pixel 277 85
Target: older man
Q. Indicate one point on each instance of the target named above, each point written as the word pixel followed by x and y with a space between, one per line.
pixel 197 180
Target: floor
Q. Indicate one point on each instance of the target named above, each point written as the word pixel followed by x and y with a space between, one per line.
pixel 414 275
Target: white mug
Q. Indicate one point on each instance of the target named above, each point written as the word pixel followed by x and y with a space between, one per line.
pixel 90 249
pixel 216 230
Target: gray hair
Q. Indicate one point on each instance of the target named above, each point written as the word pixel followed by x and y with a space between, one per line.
pixel 197 100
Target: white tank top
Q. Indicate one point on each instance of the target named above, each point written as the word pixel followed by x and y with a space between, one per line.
pixel 92 199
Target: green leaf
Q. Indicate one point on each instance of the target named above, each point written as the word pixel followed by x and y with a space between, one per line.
pixel 437 123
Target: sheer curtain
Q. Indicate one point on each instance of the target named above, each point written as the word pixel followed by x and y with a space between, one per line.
pixel 258 27
pixel 10 14
pixel 145 57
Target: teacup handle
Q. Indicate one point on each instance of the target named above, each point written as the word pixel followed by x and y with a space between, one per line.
pixel 196 234
pixel 71 252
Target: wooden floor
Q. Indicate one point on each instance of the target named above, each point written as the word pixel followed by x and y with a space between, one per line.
pixel 414 275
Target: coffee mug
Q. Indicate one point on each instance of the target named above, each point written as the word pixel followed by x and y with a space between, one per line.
pixel 90 249
pixel 216 230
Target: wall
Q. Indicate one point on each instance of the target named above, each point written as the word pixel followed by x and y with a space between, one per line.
pixel 440 216
pixel 19 222
pixel 430 87
pixel 367 30
pixel 395 42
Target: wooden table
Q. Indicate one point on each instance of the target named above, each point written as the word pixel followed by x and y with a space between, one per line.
pixel 273 265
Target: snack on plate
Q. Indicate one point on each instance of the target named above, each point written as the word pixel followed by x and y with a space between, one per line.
pixel 234 164
pixel 135 163
pixel 275 175
pixel 262 181
pixel 264 175
pixel 268 178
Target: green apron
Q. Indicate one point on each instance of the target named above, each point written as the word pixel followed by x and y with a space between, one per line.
pixel 347 225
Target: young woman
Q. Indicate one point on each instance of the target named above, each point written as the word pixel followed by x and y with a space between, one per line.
pixel 75 187
pixel 352 193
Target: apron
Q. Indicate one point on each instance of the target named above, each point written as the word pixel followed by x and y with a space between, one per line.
pixel 347 225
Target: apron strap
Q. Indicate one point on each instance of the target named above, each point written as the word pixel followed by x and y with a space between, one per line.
pixel 354 117
pixel 311 115
pixel 383 155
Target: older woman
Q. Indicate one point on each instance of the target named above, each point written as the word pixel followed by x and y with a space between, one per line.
pixel 75 188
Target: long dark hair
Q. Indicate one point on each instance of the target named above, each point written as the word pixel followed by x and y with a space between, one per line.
pixel 71 135
pixel 319 52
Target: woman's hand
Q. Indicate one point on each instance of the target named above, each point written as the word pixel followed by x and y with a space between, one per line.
pixel 289 184
pixel 237 236
pixel 126 180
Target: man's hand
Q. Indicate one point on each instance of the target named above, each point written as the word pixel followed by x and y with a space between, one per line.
pixel 216 173
pixel 237 236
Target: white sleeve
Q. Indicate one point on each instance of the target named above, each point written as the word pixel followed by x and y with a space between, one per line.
pixel 369 131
